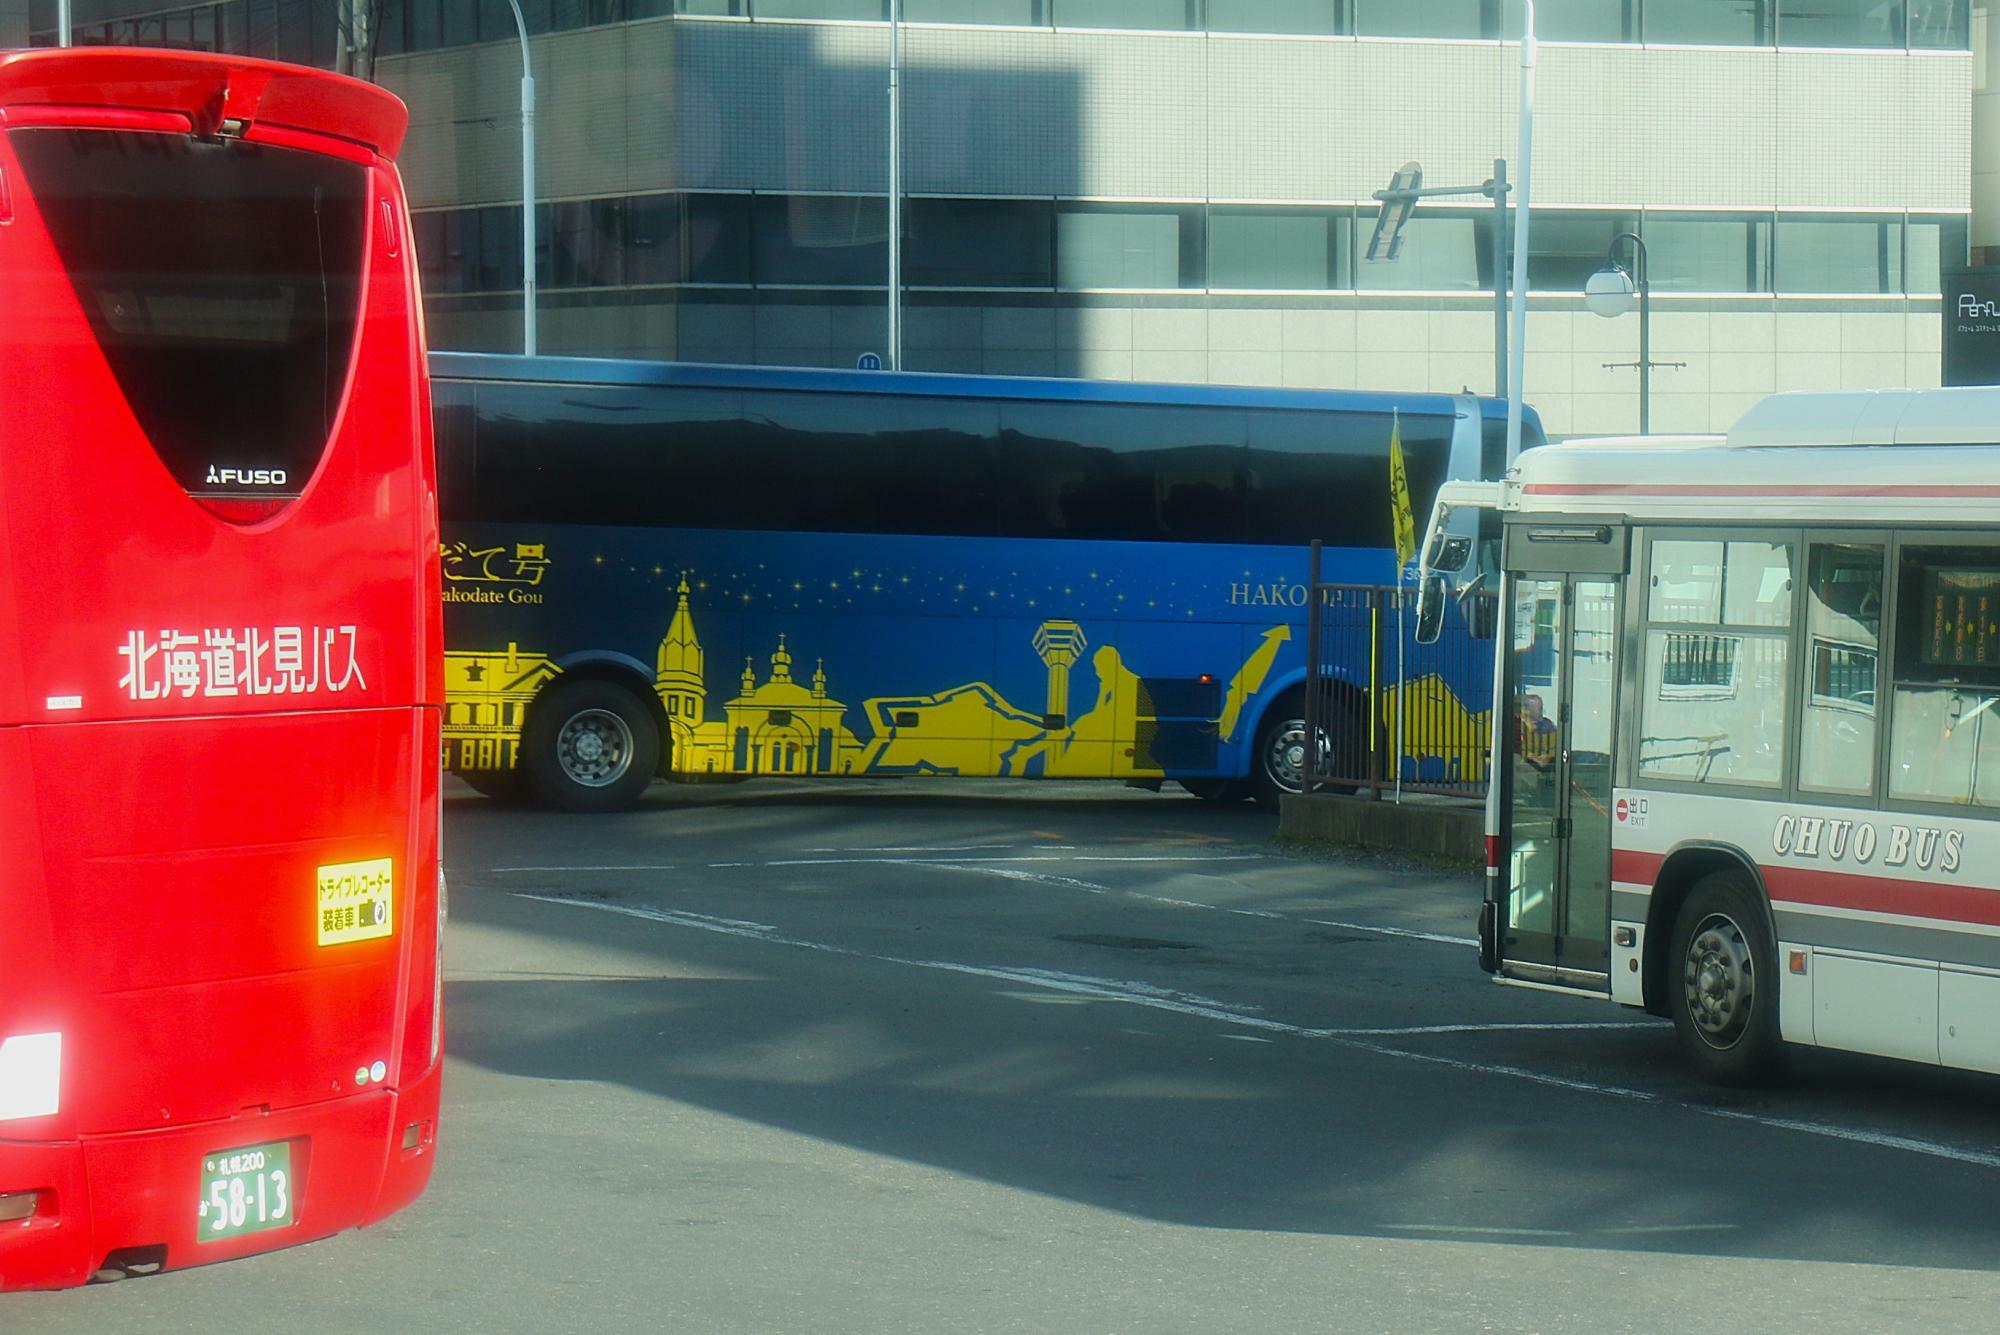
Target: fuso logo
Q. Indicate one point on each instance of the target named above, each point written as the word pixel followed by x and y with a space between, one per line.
pixel 245 477
pixel 1624 809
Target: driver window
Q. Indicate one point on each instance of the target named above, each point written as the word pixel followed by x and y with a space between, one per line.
pixel 1945 739
pixel 1843 647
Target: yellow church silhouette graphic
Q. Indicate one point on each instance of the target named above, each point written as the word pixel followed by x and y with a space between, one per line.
pixel 780 725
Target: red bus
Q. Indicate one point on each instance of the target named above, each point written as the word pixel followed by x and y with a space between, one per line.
pixel 220 685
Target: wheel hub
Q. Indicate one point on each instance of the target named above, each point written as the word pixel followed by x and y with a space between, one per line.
pixel 1720 980
pixel 595 748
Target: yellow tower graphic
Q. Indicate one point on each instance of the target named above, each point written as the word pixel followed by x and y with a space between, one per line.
pixel 1060 644
pixel 677 680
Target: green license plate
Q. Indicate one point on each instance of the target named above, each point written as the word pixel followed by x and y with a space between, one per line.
pixel 246 1191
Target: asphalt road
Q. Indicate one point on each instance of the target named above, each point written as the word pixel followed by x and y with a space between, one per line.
pixel 975 1057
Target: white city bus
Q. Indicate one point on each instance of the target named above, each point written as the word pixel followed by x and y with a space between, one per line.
pixel 1749 691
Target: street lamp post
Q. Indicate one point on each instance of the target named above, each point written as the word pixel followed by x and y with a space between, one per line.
pixel 1609 293
pixel 527 186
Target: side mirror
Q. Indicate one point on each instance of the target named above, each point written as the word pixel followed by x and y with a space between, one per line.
pixel 1448 552
pixel 1430 608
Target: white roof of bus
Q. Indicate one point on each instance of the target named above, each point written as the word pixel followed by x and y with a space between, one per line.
pixel 1887 456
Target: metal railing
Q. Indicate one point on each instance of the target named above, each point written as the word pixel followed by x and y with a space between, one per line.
pixel 1389 715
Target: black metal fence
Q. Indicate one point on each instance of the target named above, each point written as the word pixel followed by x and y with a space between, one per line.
pixel 1388 714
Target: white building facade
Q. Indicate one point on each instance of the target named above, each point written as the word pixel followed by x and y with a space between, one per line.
pixel 1180 189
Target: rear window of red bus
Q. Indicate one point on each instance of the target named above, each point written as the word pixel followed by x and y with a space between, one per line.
pixel 221 279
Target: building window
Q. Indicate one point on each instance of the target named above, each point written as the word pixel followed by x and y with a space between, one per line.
pixel 1709 22
pixel 1860 23
pixel 1444 250
pixel 498 267
pixel 711 8
pixel 1296 249
pixel 820 9
pixel 1936 245
pixel 716 229
pixel 1575 20
pixel 653 239
pixel 1708 252
pixel 1156 14
pixel 1940 25
pixel 1566 246
pixel 1128 246
pixel 978 243
pixel 1012 13
pixel 821 240
pixel 1419 18
pixel 1275 16
pixel 1839 253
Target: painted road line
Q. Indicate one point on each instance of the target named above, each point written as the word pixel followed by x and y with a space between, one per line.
pixel 1189 1004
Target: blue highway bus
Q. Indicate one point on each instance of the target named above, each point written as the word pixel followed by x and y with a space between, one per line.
pixel 709 572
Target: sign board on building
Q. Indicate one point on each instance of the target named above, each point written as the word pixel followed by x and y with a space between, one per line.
pixel 868 361
pixel 1972 327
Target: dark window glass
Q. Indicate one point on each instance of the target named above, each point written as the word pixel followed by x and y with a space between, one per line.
pixel 653 239
pixel 1840 23
pixel 1709 22
pixel 459 257
pixel 221 280
pixel 426 23
pixel 1708 252
pixel 499 265
pixel 1574 20
pixel 1286 16
pixel 496 19
pixel 977 242
pixel 829 240
pixel 1174 14
pixel 727 8
pixel 1566 247
pixel 1326 475
pixel 263 21
pixel 1139 472
pixel 1419 18
pixel 427 231
pixel 1276 248
pixel 1940 24
pixel 1936 244
pixel 392 27
pixel 1128 246
pixel 1839 253
pixel 1944 739
pixel 1015 13
pixel 1444 250
pixel 820 9
pixel 583 246
pixel 461 22
pixel 717 232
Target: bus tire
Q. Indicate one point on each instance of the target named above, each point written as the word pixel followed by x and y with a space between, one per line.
pixel 590 746
pixel 1277 765
pixel 1219 791
pixel 1722 984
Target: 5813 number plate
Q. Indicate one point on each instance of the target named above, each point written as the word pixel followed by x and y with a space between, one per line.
pixel 246 1191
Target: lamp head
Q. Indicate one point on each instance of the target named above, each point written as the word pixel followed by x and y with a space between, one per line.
pixel 1610 292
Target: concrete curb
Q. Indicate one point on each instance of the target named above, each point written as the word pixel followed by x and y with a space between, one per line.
pixel 1428 827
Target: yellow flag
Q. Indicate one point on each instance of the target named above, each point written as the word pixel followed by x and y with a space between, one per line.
pixel 1399 497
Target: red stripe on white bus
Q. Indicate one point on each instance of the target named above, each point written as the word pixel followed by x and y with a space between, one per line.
pixel 1935 901
pixel 1754 489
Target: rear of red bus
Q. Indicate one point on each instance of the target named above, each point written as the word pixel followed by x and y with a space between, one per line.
pixel 219 679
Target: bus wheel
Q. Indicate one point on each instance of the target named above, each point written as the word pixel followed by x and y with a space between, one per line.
pixel 1724 991
pixel 1279 765
pixel 591 746
pixel 1216 790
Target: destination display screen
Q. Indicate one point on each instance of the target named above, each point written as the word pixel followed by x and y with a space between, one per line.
pixel 1962 618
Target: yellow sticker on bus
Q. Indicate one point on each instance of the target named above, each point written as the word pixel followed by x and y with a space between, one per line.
pixel 355 901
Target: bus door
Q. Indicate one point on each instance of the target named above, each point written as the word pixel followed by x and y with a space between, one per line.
pixel 1552 921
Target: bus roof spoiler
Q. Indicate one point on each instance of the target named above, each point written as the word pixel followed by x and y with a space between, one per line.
pixel 208 91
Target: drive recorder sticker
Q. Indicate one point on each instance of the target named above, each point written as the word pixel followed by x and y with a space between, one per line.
pixel 355 901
